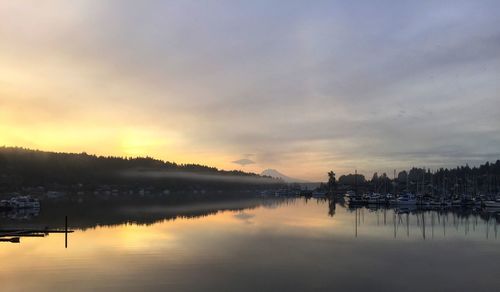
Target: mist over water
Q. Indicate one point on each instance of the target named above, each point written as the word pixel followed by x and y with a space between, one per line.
pixel 259 245
pixel 226 178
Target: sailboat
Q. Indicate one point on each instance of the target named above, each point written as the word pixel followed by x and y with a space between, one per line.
pixel 494 204
pixel 407 199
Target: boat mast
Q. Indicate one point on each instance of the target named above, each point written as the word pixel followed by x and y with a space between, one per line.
pixel 355 182
pixel 432 184
pixel 423 182
pixel 444 192
pixel 407 182
pixel 465 183
pixel 395 186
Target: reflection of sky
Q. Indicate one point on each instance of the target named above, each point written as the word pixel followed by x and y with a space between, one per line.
pixel 328 84
pixel 293 247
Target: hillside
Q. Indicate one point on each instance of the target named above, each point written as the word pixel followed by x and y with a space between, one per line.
pixel 24 167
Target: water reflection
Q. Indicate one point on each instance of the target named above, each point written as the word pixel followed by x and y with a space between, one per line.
pixel 428 224
pixel 257 245
pixel 92 214
pixel 405 222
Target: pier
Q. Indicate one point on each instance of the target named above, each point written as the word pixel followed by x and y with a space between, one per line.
pixel 14 235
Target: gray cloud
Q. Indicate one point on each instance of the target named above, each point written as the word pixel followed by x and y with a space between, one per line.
pixel 244 161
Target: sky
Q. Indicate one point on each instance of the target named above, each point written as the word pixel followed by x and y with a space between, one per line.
pixel 299 86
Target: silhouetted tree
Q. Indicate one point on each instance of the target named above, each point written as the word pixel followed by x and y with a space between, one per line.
pixel 332 182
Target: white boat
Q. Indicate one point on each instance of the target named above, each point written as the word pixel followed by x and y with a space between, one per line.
pixel 374 198
pixel 349 194
pixel 407 199
pixel 354 199
pixel 434 202
pixel 491 204
pixel 22 202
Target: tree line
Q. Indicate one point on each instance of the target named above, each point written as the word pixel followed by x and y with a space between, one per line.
pixel 484 178
pixel 20 167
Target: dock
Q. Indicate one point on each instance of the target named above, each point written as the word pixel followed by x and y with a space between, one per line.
pixel 14 235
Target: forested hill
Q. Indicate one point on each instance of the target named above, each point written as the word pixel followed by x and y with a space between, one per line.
pixel 24 167
pixel 484 178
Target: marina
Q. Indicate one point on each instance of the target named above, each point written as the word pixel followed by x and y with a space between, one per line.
pixel 20 202
pixel 408 199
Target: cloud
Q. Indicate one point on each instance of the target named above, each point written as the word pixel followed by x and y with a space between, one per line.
pixel 304 87
pixel 244 161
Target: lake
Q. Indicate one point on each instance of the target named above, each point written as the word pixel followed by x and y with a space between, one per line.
pixel 256 245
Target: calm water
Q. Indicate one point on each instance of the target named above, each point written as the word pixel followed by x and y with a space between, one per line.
pixel 258 245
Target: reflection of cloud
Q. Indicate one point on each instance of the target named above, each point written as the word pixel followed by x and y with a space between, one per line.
pixel 245 217
pixel 244 161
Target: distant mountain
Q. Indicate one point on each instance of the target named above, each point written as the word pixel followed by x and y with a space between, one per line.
pixel 276 174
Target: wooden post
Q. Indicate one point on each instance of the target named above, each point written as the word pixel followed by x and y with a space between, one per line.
pixel 66 232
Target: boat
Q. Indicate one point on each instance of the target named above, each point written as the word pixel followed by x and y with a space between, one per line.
pixel 446 203
pixel 4 204
pixel 374 198
pixel 406 199
pixel 477 202
pixel 354 199
pixel 22 202
pixel 456 202
pixel 349 194
pixel 390 199
pixel 430 203
pixel 492 204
